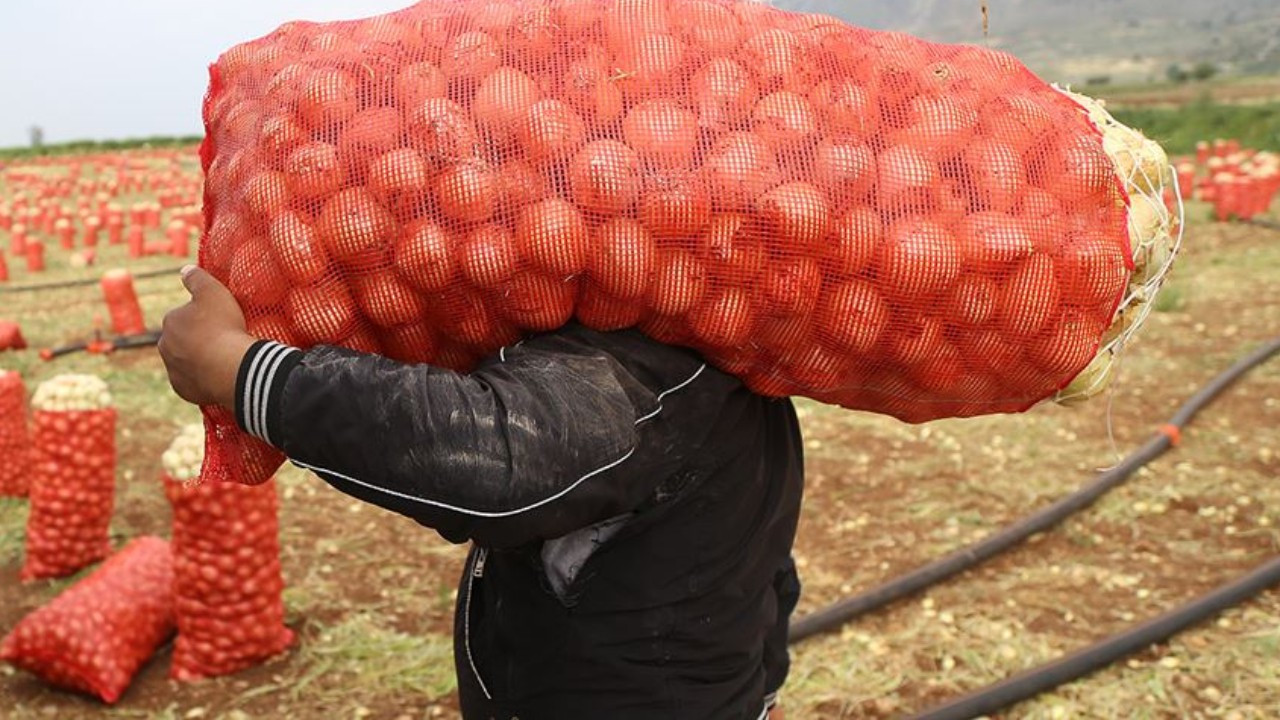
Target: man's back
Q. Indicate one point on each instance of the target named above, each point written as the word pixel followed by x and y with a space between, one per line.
pixel 664 612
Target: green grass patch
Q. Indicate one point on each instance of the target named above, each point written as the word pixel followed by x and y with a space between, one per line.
pixel 13 527
pixel 381 661
pixel 78 147
pixel 1171 299
pixel 1179 129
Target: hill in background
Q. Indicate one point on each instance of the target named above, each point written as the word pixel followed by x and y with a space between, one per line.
pixel 1126 41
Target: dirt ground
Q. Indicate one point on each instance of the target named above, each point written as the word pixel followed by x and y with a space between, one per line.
pixel 370 593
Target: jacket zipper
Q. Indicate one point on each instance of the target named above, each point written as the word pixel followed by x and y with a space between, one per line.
pixel 477 571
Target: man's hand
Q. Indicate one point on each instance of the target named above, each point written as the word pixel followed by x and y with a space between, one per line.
pixel 203 342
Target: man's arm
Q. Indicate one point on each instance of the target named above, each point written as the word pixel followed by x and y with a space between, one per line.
pixel 554 436
pixel 561 432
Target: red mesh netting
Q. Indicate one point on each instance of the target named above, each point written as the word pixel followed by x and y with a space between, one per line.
pixel 227 589
pixel 859 217
pixel 96 634
pixel 15 466
pixel 72 491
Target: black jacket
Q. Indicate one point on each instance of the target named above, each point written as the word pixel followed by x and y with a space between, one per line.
pixel 632 511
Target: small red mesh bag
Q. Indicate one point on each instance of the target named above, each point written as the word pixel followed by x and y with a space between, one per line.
pixel 11 336
pixel 228 585
pixel 73 464
pixel 96 634
pixel 859 217
pixel 122 303
pixel 15 445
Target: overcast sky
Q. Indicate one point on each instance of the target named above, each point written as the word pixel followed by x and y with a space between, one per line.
pixel 127 68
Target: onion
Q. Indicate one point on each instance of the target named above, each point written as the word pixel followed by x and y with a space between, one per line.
pixel 675 204
pixel 997 172
pixel 354 228
pixel 919 258
pixel 471 56
pixel 605 177
pixel 300 255
pixel 621 262
pixel 740 168
pixel 424 256
pixel 553 235
pixel 711 28
pixel 71 392
pixel 323 313
pixel 255 279
pixel 386 300
pixel 791 287
pixel 399 174
pixel 662 133
pixel 589 89
pixel 489 256
pixel 991 241
pixel 845 169
pixel 679 283
pixel 442 131
pixel 185 455
pixel 852 316
pixel 313 170
pixel 779 59
pixel 267 193
pixel 785 120
pixel 724 320
pixel 797 215
pixel 539 302
pixel 1030 298
pixel 847 107
pixel 907 177
pixel 723 94
pixel 468 191
pixel 551 132
pixel 734 248
pixel 502 101
pixel 648 64
pixel 328 98
pixel 418 83
pixel 854 241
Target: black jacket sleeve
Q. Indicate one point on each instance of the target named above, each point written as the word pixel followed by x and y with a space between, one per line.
pixel 555 434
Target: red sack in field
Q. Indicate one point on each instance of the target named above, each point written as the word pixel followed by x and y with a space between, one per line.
pixel 95 635
pixel 73 465
pixel 227 582
pixel 15 445
pixel 859 217
pixel 11 336
pixel 122 303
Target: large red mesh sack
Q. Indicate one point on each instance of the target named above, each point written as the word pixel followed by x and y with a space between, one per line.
pixel 96 634
pixel 860 217
pixel 73 464
pixel 15 466
pixel 227 581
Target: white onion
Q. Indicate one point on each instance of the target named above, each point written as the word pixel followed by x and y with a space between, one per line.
pixel 183 458
pixel 65 393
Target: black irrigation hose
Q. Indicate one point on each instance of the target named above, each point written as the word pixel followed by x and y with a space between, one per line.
pixel 85 282
pixel 834 616
pixel 1035 681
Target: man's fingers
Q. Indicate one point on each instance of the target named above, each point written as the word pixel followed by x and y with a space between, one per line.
pixel 198 282
pixel 193 279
